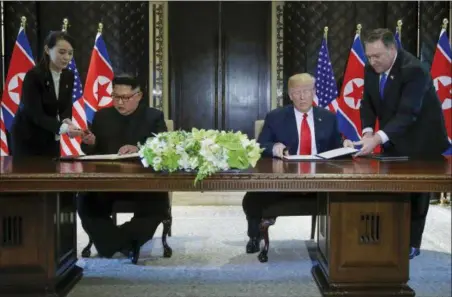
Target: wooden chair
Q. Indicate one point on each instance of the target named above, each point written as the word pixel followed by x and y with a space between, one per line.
pixel 124 206
pixel 306 205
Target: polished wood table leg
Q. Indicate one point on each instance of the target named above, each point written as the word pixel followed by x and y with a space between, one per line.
pixel 38 245
pixel 363 245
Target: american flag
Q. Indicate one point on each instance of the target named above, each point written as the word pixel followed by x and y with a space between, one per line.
pixel 4 151
pixel 71 146
pixel 325 84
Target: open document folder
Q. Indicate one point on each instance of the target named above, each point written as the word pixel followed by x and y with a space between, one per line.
pixel 103 157
pixel 336 153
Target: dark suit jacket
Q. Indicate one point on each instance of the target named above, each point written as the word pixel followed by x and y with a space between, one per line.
pixel 35 124
pixel 113 130
pixel 410 112
pixel 280 125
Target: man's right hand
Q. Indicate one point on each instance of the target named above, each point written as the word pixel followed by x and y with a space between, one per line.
pixel 278 150
pixel 88 137
pixel 74 131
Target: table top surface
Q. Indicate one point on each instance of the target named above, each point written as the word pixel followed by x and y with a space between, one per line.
pixel 350 168
pixel 356 175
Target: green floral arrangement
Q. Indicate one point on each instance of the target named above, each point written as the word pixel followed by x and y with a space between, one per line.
pixel 203 151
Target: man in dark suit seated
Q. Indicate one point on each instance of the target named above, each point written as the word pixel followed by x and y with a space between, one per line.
pixel 118 129
pixel 295 129
pixel 399 92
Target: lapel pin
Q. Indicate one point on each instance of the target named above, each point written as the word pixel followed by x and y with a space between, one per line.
pixel 320 119
pixel 392 76
pixel 47 83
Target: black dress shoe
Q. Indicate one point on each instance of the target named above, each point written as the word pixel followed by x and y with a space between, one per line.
pixel 414 252
pixel 135 252
pixel 253 245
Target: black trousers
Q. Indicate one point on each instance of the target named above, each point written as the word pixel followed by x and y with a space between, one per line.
pixel 95 210
pixel 420 203
pixel 254 202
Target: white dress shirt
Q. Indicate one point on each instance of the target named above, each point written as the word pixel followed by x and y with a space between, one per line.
pixel 56 76
pixel 310 119
pixel 383 136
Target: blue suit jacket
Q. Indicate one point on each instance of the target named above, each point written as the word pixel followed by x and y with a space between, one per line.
pixel 280 125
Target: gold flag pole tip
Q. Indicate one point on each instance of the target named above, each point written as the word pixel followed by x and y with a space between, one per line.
pixel 101 26
pixel 65 25
pixel 445 22
pixel 23 21
pixel 358 29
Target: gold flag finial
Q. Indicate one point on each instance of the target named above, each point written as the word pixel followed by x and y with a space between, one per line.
pixel 399 26
pixel 325 32
pixel 445 22
pixel 99 29
pixel 65 25
pixel 23 21
pixel 358 29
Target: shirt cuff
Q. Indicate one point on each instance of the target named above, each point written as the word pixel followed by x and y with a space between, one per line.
pixel 368 129
pixel 384 137
pixel 64 128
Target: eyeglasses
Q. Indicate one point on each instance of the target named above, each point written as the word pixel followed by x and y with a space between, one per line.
pixel 124 98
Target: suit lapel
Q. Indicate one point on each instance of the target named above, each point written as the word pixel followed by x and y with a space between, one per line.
pixel 292 130
pixel 375 89
pixel 319 128
pixel 392 76
pixel 390 99
pixel 64 84
pixel 50 85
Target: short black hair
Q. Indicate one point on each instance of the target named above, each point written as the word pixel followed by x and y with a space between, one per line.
pixel 383 34
pixel 126 79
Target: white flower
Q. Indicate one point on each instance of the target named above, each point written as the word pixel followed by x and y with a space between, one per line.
pixel 156 161
pixel 144 162
pixel 244 140
pixel 180 149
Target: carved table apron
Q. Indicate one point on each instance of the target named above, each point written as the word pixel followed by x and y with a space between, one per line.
pixel 364 210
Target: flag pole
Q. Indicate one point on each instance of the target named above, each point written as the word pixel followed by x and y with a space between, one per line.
pixel 100 28
pixel 445 197
pixel 325 32
pixel 65 25
pixel 3 44
pixel 358 29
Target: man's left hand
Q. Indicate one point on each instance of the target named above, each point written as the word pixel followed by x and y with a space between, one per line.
pixel 368 144
pixel 348 143
pixel 128 149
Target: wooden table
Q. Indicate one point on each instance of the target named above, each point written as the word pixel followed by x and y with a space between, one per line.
pixel 362 239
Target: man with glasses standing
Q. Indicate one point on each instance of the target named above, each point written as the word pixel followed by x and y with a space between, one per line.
pixel 118 129
pixel 399 92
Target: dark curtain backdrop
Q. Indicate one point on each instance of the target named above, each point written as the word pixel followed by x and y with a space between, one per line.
pixel 126 31
pixel 304 23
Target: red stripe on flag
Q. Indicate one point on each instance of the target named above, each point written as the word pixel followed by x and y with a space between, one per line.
pixel 4 151
pixel 67 141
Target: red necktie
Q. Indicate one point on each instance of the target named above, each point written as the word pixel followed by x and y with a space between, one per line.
pixel 305 137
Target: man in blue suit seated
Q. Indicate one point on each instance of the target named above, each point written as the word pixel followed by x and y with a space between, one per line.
pixel 296 129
